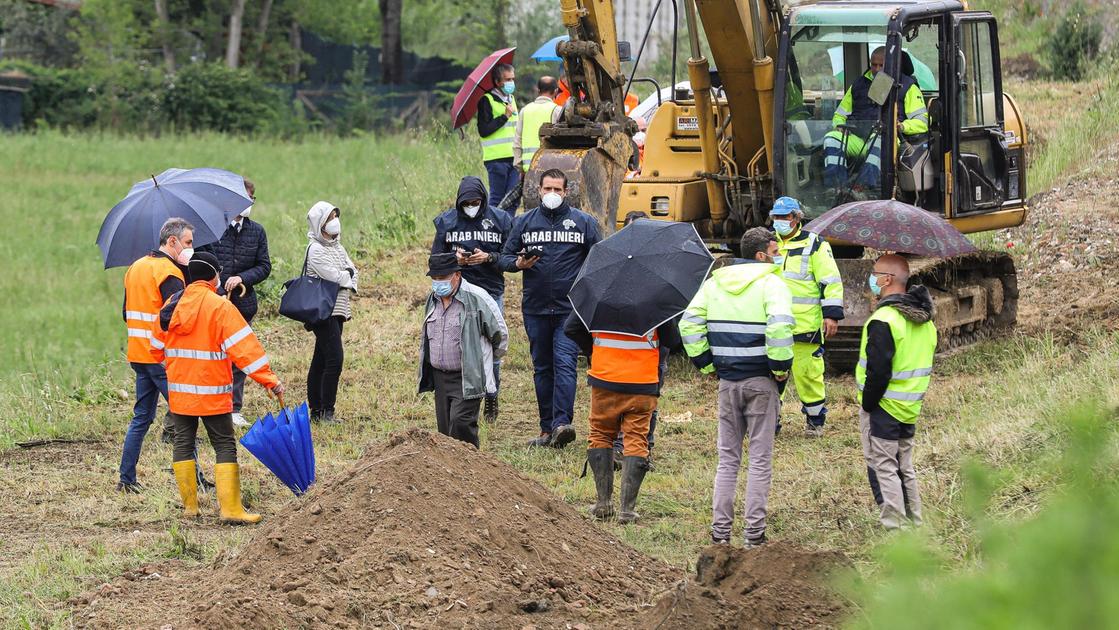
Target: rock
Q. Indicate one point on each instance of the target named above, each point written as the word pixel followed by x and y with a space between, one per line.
pixel 556 582
pixel 534 605
pixel 431 592
pixel 316 509
pixel 297 598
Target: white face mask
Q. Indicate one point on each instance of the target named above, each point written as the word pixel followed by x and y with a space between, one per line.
pixel 551 200
pixel 184 256
pixel 333 227
pixel 472 211
pixel 245 212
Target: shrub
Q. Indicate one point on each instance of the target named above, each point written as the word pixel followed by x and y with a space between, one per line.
pixel 213 97
pixel 1074 44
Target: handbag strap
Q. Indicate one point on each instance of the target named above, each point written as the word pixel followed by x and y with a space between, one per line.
pixel 306 255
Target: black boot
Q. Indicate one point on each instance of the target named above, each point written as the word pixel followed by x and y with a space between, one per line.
pixel 633 473
pixel 489 410
pixel 601 461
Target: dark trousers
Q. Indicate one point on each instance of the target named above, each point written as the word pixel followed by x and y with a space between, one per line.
pixel 554 357
pixel 454 415
pixel 220 430
pixel 326 365
pixel 503 176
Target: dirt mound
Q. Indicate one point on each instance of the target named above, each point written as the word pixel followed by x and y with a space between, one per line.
pixel 775 586
pixel 423 531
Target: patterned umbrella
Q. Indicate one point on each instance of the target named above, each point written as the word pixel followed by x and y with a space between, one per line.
pixel 891 225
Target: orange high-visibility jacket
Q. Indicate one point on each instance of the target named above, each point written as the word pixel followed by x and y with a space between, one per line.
pixel 625 360
pixel 205 336
pixel 142 302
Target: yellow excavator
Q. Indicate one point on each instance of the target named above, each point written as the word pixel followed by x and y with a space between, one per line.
pixel 718 152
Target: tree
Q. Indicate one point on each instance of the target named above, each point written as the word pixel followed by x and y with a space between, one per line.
pixel 164 19
pixel 392 48
pixel 233 48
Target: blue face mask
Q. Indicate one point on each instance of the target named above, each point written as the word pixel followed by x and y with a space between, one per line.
pixel 509 87
pixel 441 288
pixel 778 260
pixel 873 282
pixel 783 227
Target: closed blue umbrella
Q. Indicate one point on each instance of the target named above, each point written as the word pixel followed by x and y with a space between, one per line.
pixel 283 444
pixel 547 52
pixel 206 197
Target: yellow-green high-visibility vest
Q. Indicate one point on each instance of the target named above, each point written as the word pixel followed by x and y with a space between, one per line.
pixel 534 116
pixel 914 347
pixel 499 144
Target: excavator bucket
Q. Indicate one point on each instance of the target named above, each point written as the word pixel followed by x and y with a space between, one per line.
pixel 594 174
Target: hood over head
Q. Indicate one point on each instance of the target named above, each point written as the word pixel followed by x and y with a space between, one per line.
pixel 915 304
pixel 471 188
pixel 738 277
pixel 316 219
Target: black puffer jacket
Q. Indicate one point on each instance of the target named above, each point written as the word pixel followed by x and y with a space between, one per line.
pixel 244 254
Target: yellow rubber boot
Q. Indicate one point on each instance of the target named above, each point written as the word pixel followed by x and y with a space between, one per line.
pixel 227 477
pixel 186 476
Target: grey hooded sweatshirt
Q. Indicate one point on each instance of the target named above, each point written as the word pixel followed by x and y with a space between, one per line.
pixel 327 259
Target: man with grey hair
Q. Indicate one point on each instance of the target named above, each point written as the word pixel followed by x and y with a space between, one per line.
pixel 748 346
pixel 148 283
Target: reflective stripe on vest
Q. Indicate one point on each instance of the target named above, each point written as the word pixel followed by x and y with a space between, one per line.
pixel 201 355
pixel 533 117
pixel 142 301
pixel 499 144
pixel 235 337
pixel 203 390
pixel 914 348
pixel 625 359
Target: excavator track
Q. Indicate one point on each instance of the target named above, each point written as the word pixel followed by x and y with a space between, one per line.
pixel 975 298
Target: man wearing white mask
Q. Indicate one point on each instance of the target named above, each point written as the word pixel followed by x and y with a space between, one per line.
pixel 475 232
pixel 243 254
pixel 549 244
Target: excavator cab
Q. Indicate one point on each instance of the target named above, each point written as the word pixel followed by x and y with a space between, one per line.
pixel 837 138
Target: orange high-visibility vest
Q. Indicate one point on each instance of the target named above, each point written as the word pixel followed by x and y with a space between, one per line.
pixel 142 302
pixel 204 339
pixel 625 358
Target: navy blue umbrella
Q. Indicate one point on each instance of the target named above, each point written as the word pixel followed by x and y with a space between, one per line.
pixel 208 198
pixel 283 444
pixel 640 277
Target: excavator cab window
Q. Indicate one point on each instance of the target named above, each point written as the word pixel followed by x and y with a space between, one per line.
pixel 830 153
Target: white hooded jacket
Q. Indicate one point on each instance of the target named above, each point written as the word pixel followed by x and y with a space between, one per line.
pixel 327 258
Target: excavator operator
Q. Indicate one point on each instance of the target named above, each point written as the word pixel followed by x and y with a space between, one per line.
pixel 858 130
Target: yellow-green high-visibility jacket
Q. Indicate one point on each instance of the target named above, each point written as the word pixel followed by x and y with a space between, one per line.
pixel 740 323
pixel 914 344
pixel 857 106
pixel 813 278
pixel 533 117
pixel 499 144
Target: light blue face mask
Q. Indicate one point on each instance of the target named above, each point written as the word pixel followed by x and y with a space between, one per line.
pixel 782 227
pixel 441 288
pixel 873 282
pixel 779 260
pixel 509 87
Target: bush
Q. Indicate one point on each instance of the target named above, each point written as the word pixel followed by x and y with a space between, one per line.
pixel 213 97
pixel 1074 44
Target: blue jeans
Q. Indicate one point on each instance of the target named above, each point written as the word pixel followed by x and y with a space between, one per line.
pixel 151 382
pixel 553 360
pixel 503 178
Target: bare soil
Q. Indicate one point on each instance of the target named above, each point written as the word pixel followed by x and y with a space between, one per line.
pixel 425 531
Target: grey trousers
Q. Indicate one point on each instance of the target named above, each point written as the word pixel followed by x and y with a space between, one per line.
pixel 455 416
pixel 747 410
pixel 892 463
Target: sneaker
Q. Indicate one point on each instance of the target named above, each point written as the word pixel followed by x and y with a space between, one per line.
pixel 489 410
pixel 239 420
pixel 719 541
pixel 563 436
pixel 130 488
pixel 544 439
pixel 754 542
pixel 813 431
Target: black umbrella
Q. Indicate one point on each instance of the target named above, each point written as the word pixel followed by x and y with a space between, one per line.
pixel 640 277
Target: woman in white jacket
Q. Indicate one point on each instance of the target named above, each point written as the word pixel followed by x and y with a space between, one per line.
pixel 327 259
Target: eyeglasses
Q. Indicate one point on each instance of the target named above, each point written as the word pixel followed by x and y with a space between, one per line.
pixel 883 273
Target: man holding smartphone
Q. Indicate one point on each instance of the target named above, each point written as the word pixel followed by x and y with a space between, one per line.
pixel 549 244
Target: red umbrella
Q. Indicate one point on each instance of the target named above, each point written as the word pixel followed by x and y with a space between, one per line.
pixel 890 225
pixel 479 82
